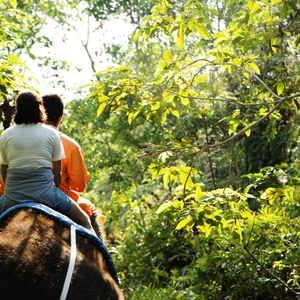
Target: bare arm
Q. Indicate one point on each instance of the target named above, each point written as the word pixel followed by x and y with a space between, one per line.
pixel 56 169
pixel 4 171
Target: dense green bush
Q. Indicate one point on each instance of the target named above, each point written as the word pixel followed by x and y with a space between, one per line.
pixel 229 252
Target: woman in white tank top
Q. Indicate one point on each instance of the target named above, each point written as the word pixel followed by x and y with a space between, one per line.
pixel 30 157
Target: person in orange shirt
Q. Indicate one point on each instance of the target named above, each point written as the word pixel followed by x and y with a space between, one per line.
pixel 74 172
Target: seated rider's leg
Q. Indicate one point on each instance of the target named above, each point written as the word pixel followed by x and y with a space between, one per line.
pixel 70 208
pixel 80 217
pixel 1 204
pixel 95 215
pixel 90 208
pixel 86 205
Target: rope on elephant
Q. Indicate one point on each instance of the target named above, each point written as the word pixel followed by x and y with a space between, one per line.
pixel 73 255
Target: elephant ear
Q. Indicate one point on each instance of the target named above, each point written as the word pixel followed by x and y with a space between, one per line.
pixel 98 220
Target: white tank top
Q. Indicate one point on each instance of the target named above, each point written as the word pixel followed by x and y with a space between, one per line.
pixel 30 146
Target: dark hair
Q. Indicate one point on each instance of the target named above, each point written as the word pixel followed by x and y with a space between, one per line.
pixel 54 107
pixel 29 109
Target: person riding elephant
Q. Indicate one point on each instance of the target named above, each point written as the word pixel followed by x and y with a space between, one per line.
pixel 74 171
pixel 30 157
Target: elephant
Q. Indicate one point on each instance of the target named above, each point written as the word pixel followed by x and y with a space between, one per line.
pixel 36 255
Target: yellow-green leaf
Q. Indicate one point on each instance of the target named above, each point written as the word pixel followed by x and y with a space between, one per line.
pixel 236 113
pixel 239 232
pixel 164 117
pixel 202 31
pixel 184 100
pixel 206 228
pixel 132 116
pixel 136 35
pixel 162 64
pixel 163 207
pixel 263 111
pixel 247 215
pixel 166 178
pixel 233 125
pixel 274 44
pixel 155 169
pixel 184 222
pixel 13 3
pixel 202 78
pixel 180 37
pixel 186 179
pixel 168 55
pixel 274 2
pixel 253 67
pixel 246 74
pixel 280 87
pixel 123 69
pixel 175 112
pixel 168 97
pixel 199 193
pixel 101 108
pixel 163 8
pixel 269 193
pixel 248 132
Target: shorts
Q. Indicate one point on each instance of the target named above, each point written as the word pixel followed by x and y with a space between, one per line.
pixel 62 202
pixel 1 204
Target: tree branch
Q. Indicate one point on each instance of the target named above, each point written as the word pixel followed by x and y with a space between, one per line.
pixel 270 273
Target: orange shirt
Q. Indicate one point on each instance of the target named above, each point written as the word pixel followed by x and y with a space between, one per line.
pixel 74 173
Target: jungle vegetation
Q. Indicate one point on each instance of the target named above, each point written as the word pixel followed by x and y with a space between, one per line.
pixel 191 138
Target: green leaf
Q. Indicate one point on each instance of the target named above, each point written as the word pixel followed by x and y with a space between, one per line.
pixel 13 3
pixel 202 31
pixel 274 2
pixel 163 117
pixel 280 88
pixel 184 100
pixel 101 108
pixel 176 204
pixel 253 67
pixel 167 56
pixel 247 215
pixel 236 113
pixel 180 37
pixel 199 193
pixel 136 35
pixel 164 207
pixel 263 111
pixel 206 229
pixel 248 132
pixel 166 178
pixel 175 112
pixel 184 222
pixel 202 78
pixel 233 125
pixel 185 176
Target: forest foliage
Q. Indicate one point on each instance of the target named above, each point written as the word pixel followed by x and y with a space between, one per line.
pixel 191 139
